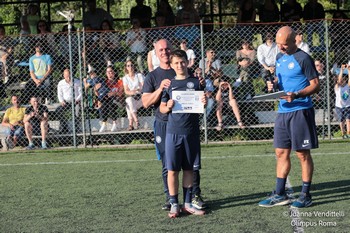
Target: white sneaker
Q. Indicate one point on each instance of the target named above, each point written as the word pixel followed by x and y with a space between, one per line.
pixel 114 127
pixel 103 127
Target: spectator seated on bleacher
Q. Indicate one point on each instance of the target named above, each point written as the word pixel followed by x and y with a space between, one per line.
pixel 246 65
pixel 142 12
pixel 36 122
pixel 110 46
pixel 133 83
pixel 110 101
pixel 224 98
pixel 208 91
pixel 267 58
pixel 136 39
pixel 210 64
pixel 13 120
pixel 6 57
pixel 94 16
pixel 65 97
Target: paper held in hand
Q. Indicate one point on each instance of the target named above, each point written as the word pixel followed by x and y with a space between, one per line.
pixel 188 102
pixel 274 95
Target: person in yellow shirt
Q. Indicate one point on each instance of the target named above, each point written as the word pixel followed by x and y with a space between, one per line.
pixel 13 120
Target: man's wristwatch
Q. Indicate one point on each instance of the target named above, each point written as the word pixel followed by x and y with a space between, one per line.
pixel 297 95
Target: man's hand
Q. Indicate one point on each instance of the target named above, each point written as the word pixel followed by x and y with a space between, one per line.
pixel 289 97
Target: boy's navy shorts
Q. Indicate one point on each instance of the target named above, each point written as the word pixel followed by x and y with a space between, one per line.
pixel 182 151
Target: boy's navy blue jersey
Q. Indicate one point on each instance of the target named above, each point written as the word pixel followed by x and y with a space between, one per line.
pixel 294 73
pixel 103 90
pixel 182 123
pixel 152 83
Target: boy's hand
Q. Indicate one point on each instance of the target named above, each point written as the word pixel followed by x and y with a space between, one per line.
pixel 170 104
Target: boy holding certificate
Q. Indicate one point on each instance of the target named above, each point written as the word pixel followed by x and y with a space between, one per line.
pixel 182 141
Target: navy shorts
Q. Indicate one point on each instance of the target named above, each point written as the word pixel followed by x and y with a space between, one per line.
pixel 296 130
pixel 182 151
pixel 343 113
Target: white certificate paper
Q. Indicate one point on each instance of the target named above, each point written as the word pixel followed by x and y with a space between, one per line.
pixel 188 102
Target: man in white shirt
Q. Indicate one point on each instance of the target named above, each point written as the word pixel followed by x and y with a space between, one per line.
pixel 65 97
pixel 267 58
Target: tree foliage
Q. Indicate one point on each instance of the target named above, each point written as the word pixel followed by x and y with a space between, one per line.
pixel 10 14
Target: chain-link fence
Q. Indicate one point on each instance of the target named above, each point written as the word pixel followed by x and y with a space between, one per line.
pixel 106 107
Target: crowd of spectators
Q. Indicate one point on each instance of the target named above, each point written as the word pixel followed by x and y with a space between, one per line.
pixel 103 48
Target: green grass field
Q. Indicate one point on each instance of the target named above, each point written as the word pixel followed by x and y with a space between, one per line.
pixel 120 190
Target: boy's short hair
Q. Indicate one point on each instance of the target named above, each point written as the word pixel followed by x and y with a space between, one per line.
pixel 178 53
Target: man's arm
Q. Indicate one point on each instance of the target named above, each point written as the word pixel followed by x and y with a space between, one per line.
pixel 149 99
pixel 313 88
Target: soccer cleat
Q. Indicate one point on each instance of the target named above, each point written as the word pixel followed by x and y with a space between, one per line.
pixel 174 210
pixel 275 200
pixel 103 127
pixel 198 203
pixel 30 147
pixel 189 209
pixel 114 127
pixel 166 205
pixel 304 200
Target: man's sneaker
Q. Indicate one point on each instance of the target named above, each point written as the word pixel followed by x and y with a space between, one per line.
pixel 275 200
pixel 43 146
pixel 189 209
pixel 9 143
pixel 304 200
pixel 198 203
pixel 114 127
pixel 174 210
pixel 30 147
pixel 166 205
pixel 103 128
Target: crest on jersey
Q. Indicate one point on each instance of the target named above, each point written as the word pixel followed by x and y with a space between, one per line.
pixel 158 139
pixel 291 65
pixel 190 85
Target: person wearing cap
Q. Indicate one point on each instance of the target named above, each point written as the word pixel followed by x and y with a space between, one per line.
pixel 267 57
pixel 40 68
pixel 300 43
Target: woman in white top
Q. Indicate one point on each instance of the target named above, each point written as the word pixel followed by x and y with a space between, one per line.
pixel 152 59
pixel 132 83
pixel 342 101
pixel 190 53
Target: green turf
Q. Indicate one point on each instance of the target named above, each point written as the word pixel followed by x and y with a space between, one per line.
pixel 115 190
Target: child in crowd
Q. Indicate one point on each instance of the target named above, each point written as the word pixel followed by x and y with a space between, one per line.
pixel 99 84
pixel 342 101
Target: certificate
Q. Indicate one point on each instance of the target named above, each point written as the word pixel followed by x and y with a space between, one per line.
pixel 188 102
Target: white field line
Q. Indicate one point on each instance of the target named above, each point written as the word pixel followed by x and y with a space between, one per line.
pixel 149 160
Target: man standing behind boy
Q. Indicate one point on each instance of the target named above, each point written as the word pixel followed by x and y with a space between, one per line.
pixel 182 140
